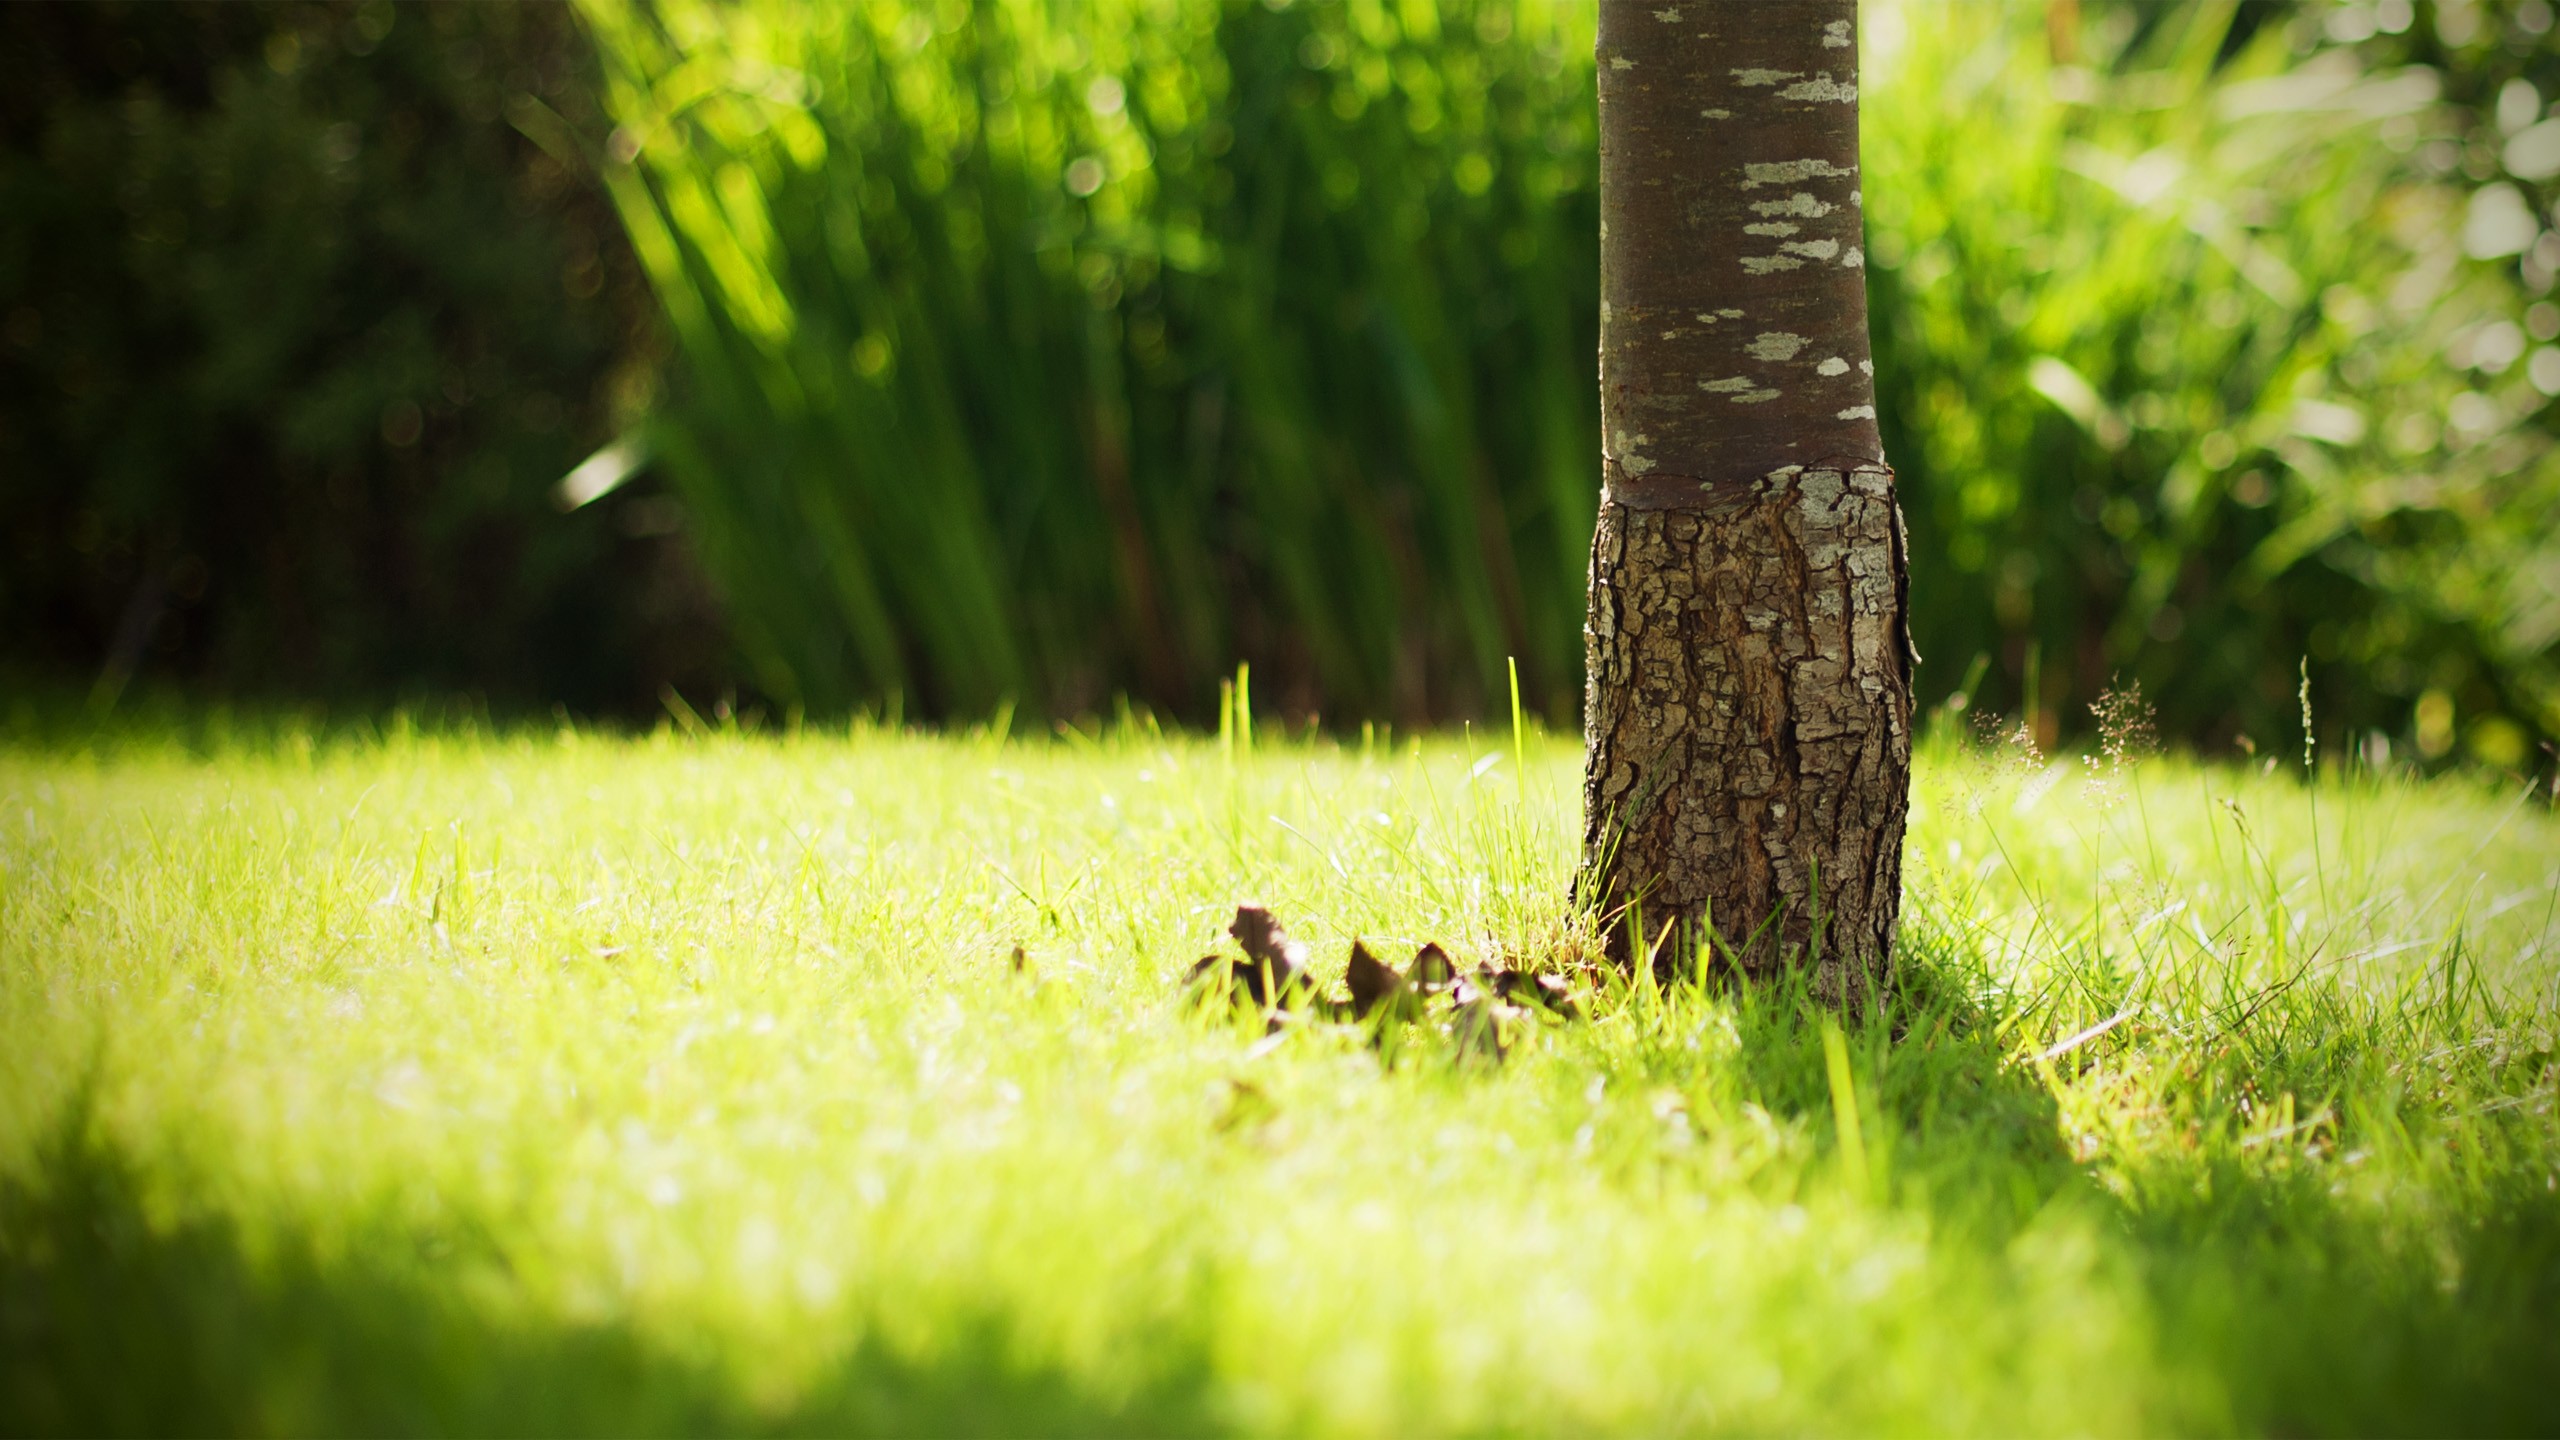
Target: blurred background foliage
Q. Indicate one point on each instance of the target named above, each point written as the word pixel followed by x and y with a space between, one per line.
pixel 298 326
pixel 2198 367
pixel 1057 350
pixel 1052 351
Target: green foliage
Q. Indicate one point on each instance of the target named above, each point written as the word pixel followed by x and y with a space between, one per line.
pixel 451 1080
pixel 2161 350
pixel 1048 350
pixel 299 323
pixel 1045 351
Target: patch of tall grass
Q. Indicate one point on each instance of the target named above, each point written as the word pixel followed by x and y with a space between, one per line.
pixel 1047 351
pixel 1058 349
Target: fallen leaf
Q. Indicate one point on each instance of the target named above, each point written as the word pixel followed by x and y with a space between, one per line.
pixel 1263 939
pixel 1552 992
pixel 1215 977
pixel 1372 983
pixel 1278 963
pixel 1482 1028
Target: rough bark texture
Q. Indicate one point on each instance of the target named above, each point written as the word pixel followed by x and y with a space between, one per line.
pixel 1748 701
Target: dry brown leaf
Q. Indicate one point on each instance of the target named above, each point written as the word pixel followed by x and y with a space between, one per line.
pixel 1483 1028
pixel 1372 982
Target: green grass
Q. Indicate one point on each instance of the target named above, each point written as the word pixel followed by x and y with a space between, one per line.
pixel 520 1082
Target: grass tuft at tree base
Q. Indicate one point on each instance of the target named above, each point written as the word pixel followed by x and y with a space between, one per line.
pixel 517 1081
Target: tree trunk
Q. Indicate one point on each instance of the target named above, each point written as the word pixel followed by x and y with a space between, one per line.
pixel 1747 706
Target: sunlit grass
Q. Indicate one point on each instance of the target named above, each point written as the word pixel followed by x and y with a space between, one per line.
pixel 469 1081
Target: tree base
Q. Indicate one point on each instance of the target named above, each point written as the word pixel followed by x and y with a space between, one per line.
pixel 1747 724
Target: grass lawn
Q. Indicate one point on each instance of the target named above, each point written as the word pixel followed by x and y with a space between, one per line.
pixel 456 1081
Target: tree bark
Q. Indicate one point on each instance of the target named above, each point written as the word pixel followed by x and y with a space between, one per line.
pixel 1747 705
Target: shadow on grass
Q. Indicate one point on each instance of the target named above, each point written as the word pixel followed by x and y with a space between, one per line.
pixel 111 1323
pixel 2288 1292
pixel 2318 1313
pixel 1942 1105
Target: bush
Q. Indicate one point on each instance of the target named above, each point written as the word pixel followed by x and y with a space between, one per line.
pixel 298 325
pixel 2161 347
